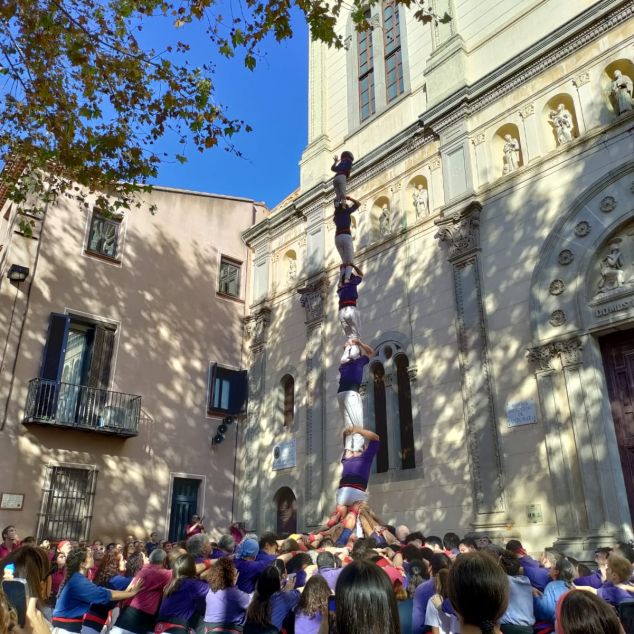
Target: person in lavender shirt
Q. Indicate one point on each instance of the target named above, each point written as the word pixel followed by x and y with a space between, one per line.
pixel 226 605
pixel 599 576
pixel 327 568
pixel 312 611
pixel 354 479
pixel 617 587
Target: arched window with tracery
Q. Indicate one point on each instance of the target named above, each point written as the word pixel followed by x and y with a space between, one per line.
pixel 380 415
pixel 287 385
pixel 390 408
pixel 406 421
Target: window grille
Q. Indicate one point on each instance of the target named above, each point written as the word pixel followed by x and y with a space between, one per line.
pixel 104 236
pixel 67 504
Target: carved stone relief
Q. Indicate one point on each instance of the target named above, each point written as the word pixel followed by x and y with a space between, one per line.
pixel 608 204
pixel 256 327
pixel 312 299
pixel 557 318
pixel 582 228
pixel 460 231
pixel 561 121
pixel 527 111
pixel 566 257
pixel 556 287
pixel 543 356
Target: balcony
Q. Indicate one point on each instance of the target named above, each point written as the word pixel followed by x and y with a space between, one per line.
pixel 81 407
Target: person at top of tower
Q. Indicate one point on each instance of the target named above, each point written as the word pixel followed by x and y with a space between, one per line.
pixel 341 168
pixel 348 314
pixel 343 236
pixel 356 356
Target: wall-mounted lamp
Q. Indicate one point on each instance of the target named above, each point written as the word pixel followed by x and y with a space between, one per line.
pixel 18 273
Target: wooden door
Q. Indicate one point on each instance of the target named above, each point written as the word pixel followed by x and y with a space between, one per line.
pixel 618 359
pixel 184 505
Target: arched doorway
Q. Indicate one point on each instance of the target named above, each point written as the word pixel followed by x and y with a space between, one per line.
pixel 286 504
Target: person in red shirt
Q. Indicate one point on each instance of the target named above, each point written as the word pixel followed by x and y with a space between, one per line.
pixel 10 541
pixel 194 527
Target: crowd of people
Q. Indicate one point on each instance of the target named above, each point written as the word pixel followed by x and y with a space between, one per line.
pixel 306 584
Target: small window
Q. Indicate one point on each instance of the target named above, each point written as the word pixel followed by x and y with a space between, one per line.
pixel 227 390
pixel 229 277
pixel 288 399
pixel 104 236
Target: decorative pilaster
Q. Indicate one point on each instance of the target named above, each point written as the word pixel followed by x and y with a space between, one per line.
pixel 256 331
pixel 313 299
pixel 460 232
pixel 531 132
pixel 481 159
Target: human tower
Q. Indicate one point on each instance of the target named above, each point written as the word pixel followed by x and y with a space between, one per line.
pixel 352 516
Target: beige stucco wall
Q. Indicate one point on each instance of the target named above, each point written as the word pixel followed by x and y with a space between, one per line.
pixel 171 325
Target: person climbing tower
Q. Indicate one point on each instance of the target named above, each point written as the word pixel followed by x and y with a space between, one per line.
pixel 349 317
pixel 342 174
pixel 343 236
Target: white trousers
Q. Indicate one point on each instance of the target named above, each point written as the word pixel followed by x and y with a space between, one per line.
pixel 340 183
pixel 343 243
pixel 351 408
pixel 350 322
pixel 347 496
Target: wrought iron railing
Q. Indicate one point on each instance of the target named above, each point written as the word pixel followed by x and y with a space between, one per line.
pixel 82 407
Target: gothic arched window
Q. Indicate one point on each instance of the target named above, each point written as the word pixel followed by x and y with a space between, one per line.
pixel 287 385
pixel 390 408
pixel 406 422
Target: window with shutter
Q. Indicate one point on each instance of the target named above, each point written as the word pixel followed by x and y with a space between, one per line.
pixel 227 390
pixel 103 236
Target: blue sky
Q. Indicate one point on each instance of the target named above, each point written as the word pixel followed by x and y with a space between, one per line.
pixel 273 100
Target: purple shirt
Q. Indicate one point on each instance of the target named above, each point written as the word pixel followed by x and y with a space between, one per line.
pixel 539 577
pixel 281 604
pixel 348 292
pixel 249 571
pixel 226 606
pixel 343 167
pixel 351 374
pixel 182 603
pixel 343 218
pixel 264 556
pixel 422 594
pixel 613 594
pixel 527 561
pixel 595 580
pixel 307 624
pixel 330 575
pixel 356 470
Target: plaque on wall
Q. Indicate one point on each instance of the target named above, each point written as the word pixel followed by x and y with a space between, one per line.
pixel 284 455
pixel 12 501
pixel 521 413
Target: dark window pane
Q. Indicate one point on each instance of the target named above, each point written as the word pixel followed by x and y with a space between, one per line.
pixel 104 236
pixel 228 390
pixel 229 277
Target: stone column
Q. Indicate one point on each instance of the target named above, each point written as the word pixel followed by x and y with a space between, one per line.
pixel 313 297
pixel 585 96
pixel 531 133
pixel 251 499
pixel 460 231
pixel 585 497
pixel 436 189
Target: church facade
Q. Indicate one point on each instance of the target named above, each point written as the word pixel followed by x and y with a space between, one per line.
pixel 495 169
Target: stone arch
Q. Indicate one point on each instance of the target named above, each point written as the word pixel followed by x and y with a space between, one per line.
pixel 567 320
pixel 626 66
pixel 497 148
pixel 290 266
pixel 549 137
pixel 559 301
pixel 411 192
pixel 285 511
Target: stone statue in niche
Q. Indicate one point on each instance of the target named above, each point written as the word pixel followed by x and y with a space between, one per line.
pixel 622 88
pixel 612 275
pixel 511 154
pixel 421 201
pixel 291 272
pixel 561 120
pixel 384 222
